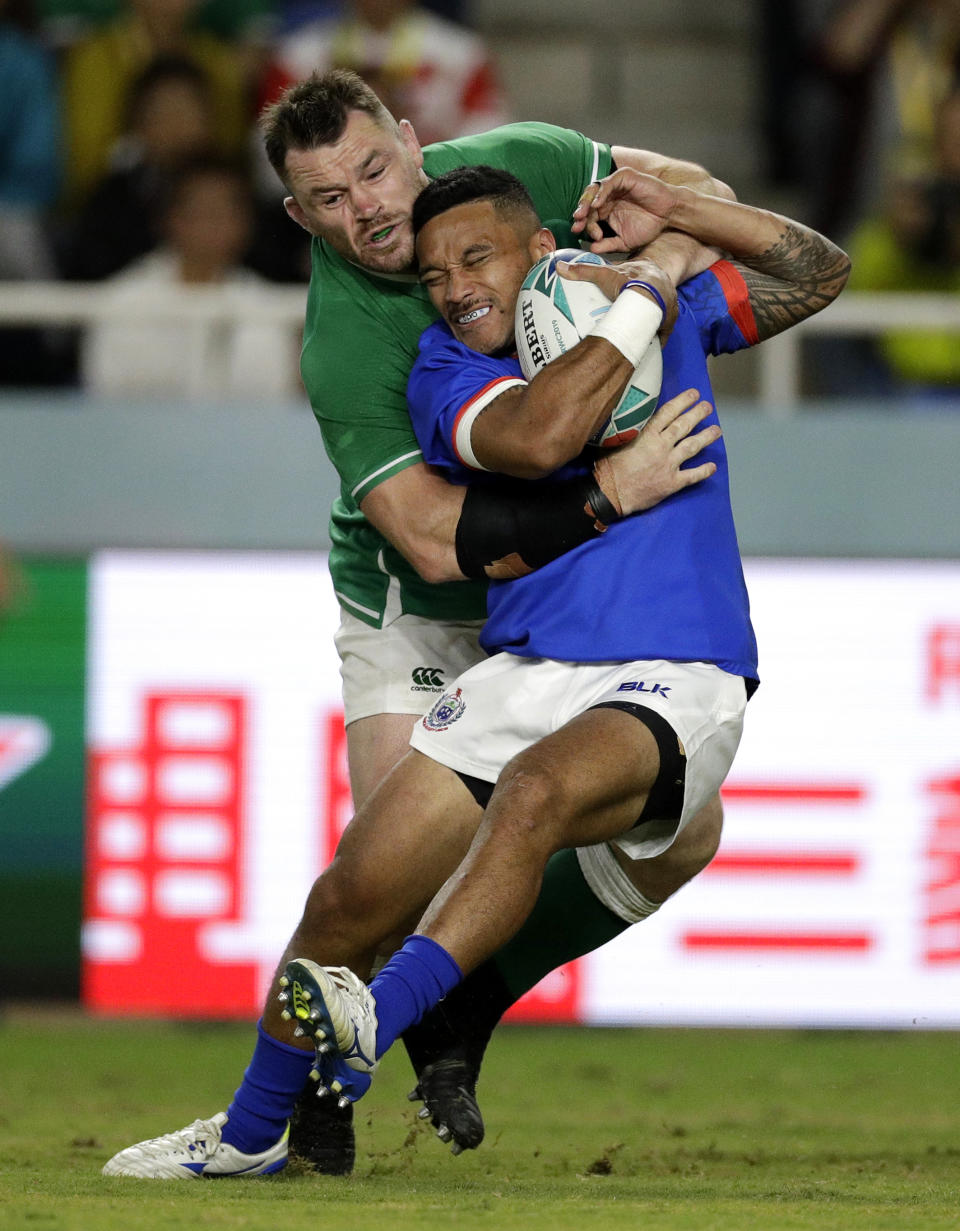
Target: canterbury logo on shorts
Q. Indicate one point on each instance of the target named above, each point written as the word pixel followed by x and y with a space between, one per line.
pixel 427 677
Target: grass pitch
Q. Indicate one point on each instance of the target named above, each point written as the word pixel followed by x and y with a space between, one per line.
pixel 651 1129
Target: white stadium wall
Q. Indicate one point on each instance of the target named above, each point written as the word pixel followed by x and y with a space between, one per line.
pixel 217 789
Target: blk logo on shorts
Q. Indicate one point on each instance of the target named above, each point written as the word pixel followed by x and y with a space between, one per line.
pixel 446 711
pixel 426 679
pixel 641 686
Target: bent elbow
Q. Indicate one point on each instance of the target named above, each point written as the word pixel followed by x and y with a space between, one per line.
pixel 434 566
pixel 840 277
pixel 548 452
pixel 536 456
pixel 530 468
pixel 436 575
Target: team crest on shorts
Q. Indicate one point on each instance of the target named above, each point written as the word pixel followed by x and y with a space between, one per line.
pixel 446 711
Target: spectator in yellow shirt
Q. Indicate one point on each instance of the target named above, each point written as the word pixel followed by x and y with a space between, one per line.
pixel 915 246
pixel 99 69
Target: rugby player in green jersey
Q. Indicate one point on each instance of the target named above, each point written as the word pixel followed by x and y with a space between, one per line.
pixel 398 533
pixel 409 618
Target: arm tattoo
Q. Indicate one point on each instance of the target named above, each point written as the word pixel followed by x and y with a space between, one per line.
pixel 796 277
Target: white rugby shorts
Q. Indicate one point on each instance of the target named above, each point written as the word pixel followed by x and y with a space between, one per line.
pixel 403 667
pixel 506 703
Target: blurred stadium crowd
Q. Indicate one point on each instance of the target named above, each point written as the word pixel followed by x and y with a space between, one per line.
pixel 128 148
pixel 128 153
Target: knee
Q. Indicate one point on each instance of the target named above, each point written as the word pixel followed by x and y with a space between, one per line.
pixel 529 800
pixel 336 900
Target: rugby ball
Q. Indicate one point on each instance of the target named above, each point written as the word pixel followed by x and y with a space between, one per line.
pixel 553 314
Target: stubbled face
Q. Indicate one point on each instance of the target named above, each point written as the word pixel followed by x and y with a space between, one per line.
pixel 358 192
pixel 473 261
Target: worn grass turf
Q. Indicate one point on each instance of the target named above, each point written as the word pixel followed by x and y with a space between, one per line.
pixel 630 1128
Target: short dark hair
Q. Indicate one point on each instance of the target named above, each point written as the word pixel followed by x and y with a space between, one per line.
pixel 315 111
pixel 481 183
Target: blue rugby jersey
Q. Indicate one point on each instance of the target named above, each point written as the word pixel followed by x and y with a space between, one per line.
pixel 665 583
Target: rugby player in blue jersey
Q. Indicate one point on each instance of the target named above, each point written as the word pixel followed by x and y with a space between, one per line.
pixel 611 708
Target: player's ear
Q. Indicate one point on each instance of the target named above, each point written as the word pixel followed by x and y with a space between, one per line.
pixel 542 242
pixel 292 206
pixel 409 139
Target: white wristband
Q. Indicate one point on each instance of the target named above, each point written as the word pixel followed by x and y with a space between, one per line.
pixel 630 324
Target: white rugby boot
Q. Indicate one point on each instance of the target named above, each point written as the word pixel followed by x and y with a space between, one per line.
pixel 193 1152
pixel 336 1009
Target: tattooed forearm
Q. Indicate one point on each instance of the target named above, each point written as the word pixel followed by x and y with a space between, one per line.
pixel 795 277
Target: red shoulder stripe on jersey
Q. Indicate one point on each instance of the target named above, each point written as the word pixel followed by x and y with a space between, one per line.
pixel 499 380
pixel 738 299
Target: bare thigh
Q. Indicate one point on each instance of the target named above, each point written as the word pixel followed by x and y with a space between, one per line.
pixel 585 783
pixel 374 745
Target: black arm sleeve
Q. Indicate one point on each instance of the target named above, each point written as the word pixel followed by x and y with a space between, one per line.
pixel 509 529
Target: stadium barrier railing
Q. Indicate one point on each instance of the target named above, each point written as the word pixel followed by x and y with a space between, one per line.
pixel 779 359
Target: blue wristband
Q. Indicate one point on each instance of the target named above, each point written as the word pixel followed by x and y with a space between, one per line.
pixel 647 287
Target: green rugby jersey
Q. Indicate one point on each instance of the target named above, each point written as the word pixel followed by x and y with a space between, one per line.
pixel 360 341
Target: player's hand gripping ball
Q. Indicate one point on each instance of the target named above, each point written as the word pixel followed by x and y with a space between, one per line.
pixel 554 313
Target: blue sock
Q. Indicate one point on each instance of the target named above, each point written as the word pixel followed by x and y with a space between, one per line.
pixel 264 1101
pixel 415 978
